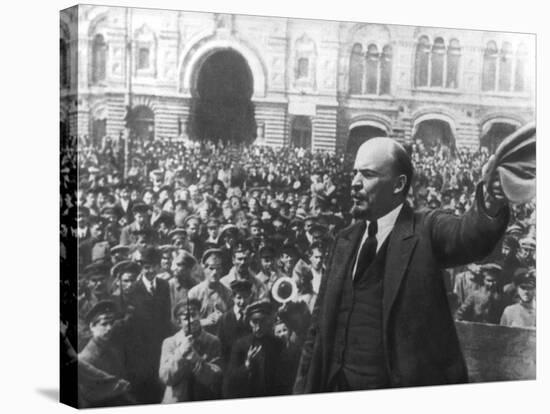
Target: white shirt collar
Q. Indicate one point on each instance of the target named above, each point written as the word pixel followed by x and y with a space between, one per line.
pixel 149 285
pixel 236 311
pixel 388 221
pixel 385 226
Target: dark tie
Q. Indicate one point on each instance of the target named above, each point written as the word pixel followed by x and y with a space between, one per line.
pixel 368 251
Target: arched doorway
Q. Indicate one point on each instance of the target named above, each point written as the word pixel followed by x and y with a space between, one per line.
pixel 435 135
pixel 361 133
pixel 495 133
pixel 300 132
pixel 143 123
pixel 221 107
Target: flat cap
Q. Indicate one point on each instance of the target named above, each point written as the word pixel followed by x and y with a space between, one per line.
pixel 262 307
pixel 105 308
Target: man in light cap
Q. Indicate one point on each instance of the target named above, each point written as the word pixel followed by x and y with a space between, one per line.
pixel 214 296
pixel 190 362
pixel 241 271
pixel 523 313
pixel 369 329
pixel 182 281
pixel 526 252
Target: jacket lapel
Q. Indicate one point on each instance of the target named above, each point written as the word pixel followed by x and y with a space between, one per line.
pixel 343 255
pixel 401 245
pixel 344 252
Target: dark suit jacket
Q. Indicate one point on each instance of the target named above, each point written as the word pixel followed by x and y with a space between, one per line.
pixel 125 213
pixel 420 341
pixel 229 330
pixel 151 325
pixel 265 376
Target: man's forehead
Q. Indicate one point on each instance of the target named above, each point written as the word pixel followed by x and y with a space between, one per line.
pixel 375 154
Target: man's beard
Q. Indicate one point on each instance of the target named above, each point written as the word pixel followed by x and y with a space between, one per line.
pixel 358 212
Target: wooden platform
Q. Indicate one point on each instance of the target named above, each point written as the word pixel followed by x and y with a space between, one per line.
pixel 498 353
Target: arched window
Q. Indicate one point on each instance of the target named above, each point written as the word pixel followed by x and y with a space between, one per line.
pixel 372 69
pixel 63 63
pixel 489 67
pixel 438 62
pixel 305 62
pixel 521 57
pixel 453 60
pixel 303 68
pixel 422 61
pixel 505 70
pixel 145 52
pixel 385 70
pixel 99 58
pixel 143 58
pixel 356 70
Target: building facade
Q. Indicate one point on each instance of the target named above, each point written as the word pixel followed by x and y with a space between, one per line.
pixel 324 85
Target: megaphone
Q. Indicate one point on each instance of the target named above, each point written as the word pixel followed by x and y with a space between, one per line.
pixel 284 290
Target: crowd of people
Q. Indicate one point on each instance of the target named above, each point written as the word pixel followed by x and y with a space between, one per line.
pixel 199 263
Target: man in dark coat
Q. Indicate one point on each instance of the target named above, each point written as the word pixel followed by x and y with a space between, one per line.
pixel 150 297
pixel 107 383
pixel 255 368
pixel 232 324
pixel 382 318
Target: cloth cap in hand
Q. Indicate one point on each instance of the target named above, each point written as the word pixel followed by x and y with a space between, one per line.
pixel 515 163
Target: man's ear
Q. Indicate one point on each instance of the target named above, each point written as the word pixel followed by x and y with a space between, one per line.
pixel 400 183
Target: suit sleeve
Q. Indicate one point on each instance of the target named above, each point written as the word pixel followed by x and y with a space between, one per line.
pixel 461 240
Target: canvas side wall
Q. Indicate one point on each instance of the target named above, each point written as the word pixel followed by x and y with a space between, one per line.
pixel 68 187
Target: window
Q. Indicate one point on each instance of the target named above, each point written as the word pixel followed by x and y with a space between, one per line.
pixel 489 67
pixel 305 59
pixel 385 70
pixel 144 52
pixel 502 70
pixel 519 77
pixel 422 62
pixel 303 68
pixel 453 60
pixel 437 65
pixel 371 73
pixel 143 58
pixel 356 70
pixel 505 75
pixel 438 62
pixel 372 69
pixel 99 59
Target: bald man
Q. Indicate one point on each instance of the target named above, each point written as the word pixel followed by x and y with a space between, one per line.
pixel 382 318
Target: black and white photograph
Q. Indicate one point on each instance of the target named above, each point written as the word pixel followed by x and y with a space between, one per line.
pixel 264 206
